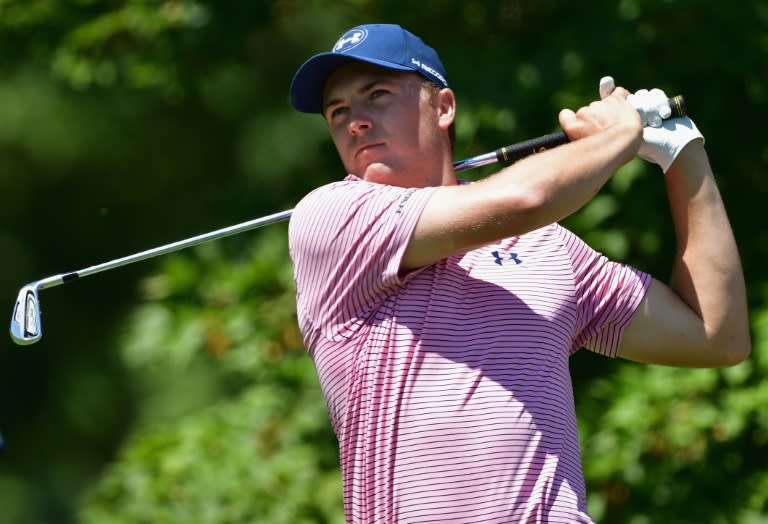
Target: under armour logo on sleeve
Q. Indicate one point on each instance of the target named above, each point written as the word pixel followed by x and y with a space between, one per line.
pixel 511 256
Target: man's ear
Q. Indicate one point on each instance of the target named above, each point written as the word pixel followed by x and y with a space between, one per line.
pixel 447 107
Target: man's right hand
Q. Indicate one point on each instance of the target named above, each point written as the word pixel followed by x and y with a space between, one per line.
pixel 612 111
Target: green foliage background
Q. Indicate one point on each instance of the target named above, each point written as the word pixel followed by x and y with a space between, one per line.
pixel 178 390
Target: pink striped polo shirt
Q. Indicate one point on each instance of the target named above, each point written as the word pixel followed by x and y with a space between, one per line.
pixel 449 388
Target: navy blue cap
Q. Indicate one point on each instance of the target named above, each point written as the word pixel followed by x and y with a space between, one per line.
pixel 386 45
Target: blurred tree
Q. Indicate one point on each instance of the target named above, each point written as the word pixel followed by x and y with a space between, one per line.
pixel 233 426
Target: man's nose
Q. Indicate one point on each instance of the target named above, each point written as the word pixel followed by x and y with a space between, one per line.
pixel 360 121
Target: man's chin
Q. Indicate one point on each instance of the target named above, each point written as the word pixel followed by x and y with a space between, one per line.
pixel 378 172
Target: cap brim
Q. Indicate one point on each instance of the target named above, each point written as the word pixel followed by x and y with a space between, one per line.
pixel 309 81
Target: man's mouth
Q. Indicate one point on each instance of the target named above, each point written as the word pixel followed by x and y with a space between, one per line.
pixel 367 147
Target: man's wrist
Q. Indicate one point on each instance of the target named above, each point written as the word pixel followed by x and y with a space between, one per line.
pixel 692 157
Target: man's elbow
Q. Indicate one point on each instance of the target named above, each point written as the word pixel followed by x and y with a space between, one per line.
pixel 735 351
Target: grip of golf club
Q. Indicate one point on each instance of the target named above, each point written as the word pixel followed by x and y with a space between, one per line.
pixel 523 149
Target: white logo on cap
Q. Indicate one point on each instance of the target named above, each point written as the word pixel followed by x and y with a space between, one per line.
pixel 429 70
pixel 350 40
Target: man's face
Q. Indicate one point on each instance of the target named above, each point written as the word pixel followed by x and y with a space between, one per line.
pixel 385 125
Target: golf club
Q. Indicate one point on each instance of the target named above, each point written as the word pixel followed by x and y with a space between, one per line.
pixel 25 321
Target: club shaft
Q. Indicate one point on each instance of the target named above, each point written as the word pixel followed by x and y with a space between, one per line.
pixel 165 249
pixel 25 321
pixel 507 153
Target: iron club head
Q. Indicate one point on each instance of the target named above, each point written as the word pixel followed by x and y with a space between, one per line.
pixel 25 322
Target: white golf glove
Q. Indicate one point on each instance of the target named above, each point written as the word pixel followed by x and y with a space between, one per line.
pixel 662 139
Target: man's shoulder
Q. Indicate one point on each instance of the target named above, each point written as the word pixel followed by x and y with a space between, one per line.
pixel 354 193
pixel 330 187
pixel 349 187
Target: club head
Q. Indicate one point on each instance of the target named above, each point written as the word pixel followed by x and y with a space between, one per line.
pixel 25 322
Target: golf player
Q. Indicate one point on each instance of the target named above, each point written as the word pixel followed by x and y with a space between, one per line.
pixel 441 315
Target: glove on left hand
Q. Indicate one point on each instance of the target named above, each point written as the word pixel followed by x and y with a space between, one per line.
pixel 662 139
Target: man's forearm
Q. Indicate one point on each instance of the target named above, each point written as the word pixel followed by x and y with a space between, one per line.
pixel 563 180
pixel 707 274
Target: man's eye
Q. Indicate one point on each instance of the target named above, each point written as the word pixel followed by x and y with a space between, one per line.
pixel 336 112
pixel 378 93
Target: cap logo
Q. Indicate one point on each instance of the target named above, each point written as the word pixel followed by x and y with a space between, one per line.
pixel 350 40
pixel 429 70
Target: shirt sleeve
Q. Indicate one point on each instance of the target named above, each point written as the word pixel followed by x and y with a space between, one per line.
pixel 607 295
pixel 346 241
